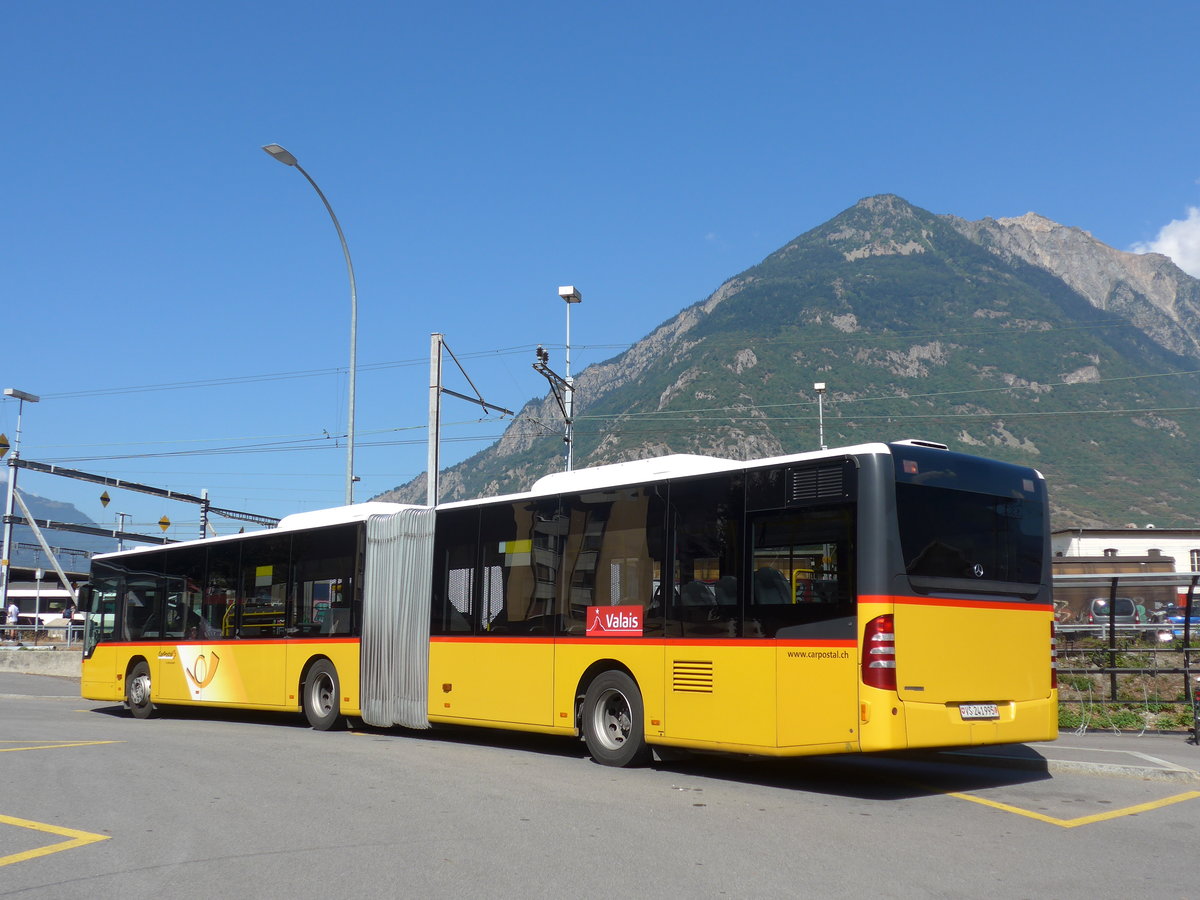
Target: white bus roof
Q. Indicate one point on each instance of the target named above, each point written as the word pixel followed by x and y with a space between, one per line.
pixel 339 515
pixel 317 518
pixel 679 465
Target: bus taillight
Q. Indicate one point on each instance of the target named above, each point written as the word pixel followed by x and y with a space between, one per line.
pixel 879 653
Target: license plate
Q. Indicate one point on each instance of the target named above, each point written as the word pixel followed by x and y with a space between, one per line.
pixel 979 711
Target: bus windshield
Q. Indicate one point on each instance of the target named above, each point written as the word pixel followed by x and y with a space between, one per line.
pixel 967 526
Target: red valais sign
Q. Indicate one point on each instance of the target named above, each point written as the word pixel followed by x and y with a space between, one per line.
pixel 614 621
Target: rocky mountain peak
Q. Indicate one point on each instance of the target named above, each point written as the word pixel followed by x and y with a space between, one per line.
pixel 1147 288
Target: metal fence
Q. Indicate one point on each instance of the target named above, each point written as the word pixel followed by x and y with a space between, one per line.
pixel 1136 675
pixel 34 634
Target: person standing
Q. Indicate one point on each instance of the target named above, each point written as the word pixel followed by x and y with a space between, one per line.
pixel 69 616
pixel 14 614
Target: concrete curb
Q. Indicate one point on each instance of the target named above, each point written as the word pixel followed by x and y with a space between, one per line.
pixel 43 661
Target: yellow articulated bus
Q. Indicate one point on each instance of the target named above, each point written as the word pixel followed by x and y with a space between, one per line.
pixel 876 597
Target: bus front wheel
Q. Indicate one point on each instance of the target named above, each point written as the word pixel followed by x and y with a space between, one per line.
pixel 137 692
pixel 613 721
pixel 321 690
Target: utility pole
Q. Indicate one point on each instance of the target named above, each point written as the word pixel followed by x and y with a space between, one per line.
pixel 437 345
pixel 571 295
pixel 562 386
pixel 5 555
pixel 819 387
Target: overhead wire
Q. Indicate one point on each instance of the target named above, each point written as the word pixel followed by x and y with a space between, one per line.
pixel 299 443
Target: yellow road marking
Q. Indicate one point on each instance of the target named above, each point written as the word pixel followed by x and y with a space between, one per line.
pixel 1082 820
pixel 77 839
pixel 57 745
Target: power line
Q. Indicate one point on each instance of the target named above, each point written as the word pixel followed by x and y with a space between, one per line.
pixel 717 341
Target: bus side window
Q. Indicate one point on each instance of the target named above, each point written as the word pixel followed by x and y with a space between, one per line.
pixel 216 605
pixel 143 599
pixel 186 569
pixel 263 589
pixel 705 518
pixel 510 599
pixel 803 562
pixel 454 576
pixel 325 599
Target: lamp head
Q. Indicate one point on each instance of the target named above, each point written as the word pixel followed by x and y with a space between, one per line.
pixel 21 395
pixel 569 293
pixel 280 154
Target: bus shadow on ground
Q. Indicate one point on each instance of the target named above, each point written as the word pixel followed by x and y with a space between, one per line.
pixel 894 776
pixel 867 777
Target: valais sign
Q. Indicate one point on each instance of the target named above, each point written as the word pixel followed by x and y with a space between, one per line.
pixel 614 621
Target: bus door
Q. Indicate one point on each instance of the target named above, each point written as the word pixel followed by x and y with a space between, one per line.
pixel 802 596
pixel 147 614
pixel 720 687
pixel 492 655
pixel 188 661
pixel 98 602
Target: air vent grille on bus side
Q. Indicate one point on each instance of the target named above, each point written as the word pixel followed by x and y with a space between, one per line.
pixel 816 483
pixel 692 676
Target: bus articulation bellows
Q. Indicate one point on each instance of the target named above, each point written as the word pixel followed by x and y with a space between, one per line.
pixel 875 597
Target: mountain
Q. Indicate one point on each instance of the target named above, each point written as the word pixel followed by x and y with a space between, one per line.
pixel 1015 338
pixel 1148 289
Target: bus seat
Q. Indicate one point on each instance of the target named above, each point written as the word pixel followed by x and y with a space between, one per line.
pixel 727 590
pixel 337 621
pixel 771 587
pixel 696 595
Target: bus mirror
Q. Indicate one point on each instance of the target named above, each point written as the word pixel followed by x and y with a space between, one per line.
pixel 84 602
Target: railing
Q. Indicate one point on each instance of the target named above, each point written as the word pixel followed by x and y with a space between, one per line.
pixel 34 634
pixel 1130 676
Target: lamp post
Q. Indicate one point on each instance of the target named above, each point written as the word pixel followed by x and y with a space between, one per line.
pixel 571 295
pixel 39 573
pixel 819 387
pixel 277 152
pixel 22 398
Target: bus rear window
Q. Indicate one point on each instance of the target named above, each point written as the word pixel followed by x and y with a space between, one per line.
pixel 969 521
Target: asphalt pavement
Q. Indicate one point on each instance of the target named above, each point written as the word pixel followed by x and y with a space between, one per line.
pixel 1151 756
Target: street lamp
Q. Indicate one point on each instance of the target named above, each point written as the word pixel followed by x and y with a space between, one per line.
pixel 22 397
pixel 819 387
pixel 277 152
pixel 571 295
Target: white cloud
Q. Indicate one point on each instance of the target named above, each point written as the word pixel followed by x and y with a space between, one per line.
pixel 1178 239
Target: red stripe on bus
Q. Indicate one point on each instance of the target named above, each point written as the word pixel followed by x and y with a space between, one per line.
pixel 575 640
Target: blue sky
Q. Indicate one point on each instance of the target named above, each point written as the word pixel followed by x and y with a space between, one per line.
pixel 478 156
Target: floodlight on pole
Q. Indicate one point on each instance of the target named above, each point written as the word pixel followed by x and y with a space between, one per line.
pixel 277 152
pixel 571 295
pixel 22 397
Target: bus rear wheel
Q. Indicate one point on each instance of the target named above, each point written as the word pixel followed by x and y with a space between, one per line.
pixel 321 695
pixel 613 721
pixel 137 692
